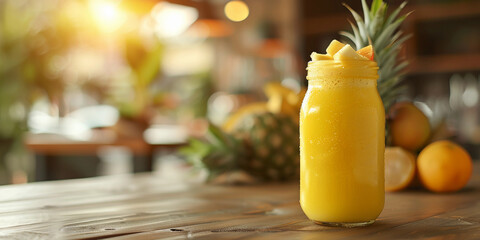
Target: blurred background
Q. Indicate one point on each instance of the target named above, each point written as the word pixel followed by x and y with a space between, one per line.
pixel 100 87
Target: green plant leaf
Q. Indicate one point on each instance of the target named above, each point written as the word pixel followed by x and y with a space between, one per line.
pixel 360 24
pixel 395 13
pixel 366 12
pixel 349 36
pixel 376 5
pixel 358 41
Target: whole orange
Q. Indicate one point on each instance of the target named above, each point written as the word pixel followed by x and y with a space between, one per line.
pixel 444 166
pixel 409 127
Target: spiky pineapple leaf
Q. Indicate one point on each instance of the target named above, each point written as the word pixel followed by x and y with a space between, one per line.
pixel 376 4
pixel 218 152
pixel 395 13
pixel 358 40
pixel 385 37
pixel 366 14
pixel 381 30
pixel 350 36
pixel 195 151
pixel 360 24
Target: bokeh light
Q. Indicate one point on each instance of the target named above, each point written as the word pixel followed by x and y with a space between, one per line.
pixel 107 14
pixel 236 11
pixel 173 19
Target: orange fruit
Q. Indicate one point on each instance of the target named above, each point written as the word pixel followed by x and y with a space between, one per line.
pixel 409 127
pixel 444 166
pixel 367 52
pixel 399 168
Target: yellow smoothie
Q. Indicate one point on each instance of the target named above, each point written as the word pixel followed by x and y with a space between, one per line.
pixel 342 143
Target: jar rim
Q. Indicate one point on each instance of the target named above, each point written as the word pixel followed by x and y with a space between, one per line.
pixel 354 69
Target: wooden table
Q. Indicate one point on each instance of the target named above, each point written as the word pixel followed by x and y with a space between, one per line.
pixel 49 148
pixel 146 206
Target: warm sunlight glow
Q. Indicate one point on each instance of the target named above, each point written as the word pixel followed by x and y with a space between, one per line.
pixel 107 14
pixel 236 11
pixel 173 19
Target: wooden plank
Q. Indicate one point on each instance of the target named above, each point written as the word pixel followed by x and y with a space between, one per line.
pixel 146 206
pixel 463 223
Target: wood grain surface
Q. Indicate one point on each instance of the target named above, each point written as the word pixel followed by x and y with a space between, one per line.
pixel 147 206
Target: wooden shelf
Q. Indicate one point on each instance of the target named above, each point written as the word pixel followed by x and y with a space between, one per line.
pixel 441 63
pixel 421 12
pixel 444 63
pixel 443 11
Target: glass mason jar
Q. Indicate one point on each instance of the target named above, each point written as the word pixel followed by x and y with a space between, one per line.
pixel 342 144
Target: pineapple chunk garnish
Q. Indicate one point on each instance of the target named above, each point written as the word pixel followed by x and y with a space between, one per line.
pixel 334 47
pixel 317 56
pixel 340 52
pixel 348 53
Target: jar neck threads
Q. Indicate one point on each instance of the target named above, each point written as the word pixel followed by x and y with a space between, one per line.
pixel 342 70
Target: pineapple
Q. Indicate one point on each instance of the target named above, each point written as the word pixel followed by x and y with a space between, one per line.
pixel 260 139
pixel 272 141
pixel 379 29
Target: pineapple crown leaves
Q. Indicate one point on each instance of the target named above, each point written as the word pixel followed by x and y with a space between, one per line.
pixel 218 152
pixel 380 30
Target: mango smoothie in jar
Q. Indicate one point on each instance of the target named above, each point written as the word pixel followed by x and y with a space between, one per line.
pixel 342 139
